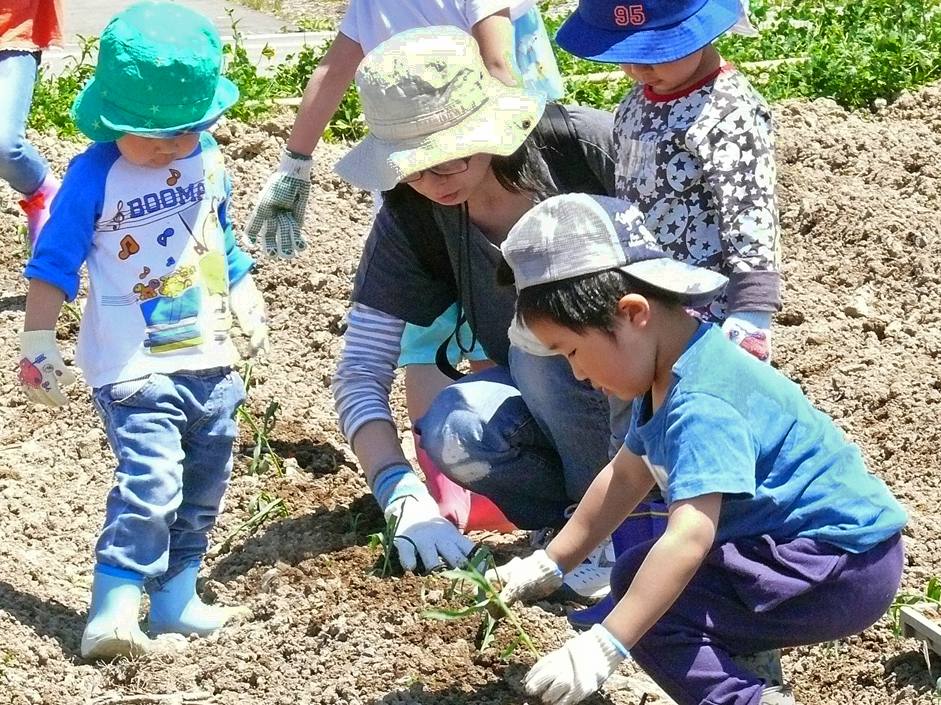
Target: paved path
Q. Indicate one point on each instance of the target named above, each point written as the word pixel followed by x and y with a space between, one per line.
pixel 88 17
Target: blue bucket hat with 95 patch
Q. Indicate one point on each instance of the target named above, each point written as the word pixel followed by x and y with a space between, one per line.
pixel 649 32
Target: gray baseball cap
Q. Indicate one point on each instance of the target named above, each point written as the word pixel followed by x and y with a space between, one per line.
pixel 575 234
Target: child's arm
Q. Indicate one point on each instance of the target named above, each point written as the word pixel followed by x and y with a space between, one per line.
pixel 614 493
pixel 494 35
pixel 669 566
pixel 612 496
pixel 43 305
pixel 323 94
pixel 280 207
pixel 739 170
pixel 580 667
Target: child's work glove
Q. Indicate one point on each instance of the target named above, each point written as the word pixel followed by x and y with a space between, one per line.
pixel 527 578
pixel 248 305
pixel 419 527
pixel 751 331
pixel 42 370
pixel 279 211
pixel 577 670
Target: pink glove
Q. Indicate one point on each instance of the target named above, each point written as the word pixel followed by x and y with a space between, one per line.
pixel 751 331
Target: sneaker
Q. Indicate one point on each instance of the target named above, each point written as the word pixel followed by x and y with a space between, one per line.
pixel 591 581
pixel 540 538
pixel 778 695
pixel 766 665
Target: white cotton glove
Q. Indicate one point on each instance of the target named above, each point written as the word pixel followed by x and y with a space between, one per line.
pixel 527 578
pixel 42 371
pixel 248 305
pixel 572 673
pixel 751 331
pixel 421 530
pixel 279 211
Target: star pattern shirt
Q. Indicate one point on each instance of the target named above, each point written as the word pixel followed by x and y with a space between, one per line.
pixel 700 165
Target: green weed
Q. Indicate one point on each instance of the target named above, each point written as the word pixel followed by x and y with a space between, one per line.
pixel 485 601
pixel 53 95
pixel 316 24
pixel 263 456
pixel 263 506
pixel 931 594
pixel 385 540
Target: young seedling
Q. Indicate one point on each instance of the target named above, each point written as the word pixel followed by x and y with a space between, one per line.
pixel 931 595
pixel 385 540
pixel 263 506
pixel 486 601
pixel 263 456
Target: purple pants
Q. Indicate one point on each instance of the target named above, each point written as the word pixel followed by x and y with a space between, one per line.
pixel 756 595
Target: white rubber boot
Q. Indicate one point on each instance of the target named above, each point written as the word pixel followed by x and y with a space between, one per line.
pixel 112 629
pixel 176 609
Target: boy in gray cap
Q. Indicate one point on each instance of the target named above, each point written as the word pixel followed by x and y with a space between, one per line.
pixel 775 526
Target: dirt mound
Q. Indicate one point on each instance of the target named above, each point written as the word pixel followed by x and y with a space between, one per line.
pixel 860 332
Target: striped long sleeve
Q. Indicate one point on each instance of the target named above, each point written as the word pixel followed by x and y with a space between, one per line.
pixel 366 368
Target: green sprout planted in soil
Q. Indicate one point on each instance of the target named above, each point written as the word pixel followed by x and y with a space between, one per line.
pixel 262 507
pixel 486 601
pixel 385 540
pixel 931 595
pixel 263 456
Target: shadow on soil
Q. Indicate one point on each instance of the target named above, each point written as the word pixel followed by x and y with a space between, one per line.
pixel 46 617
pixel 909 670
pixel 507 691
pixel 13 303
pixel 302 538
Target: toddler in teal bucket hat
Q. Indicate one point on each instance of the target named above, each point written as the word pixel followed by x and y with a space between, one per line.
pixel 145 208
pixel 152 82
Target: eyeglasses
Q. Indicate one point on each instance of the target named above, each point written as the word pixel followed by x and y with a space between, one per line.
pixel 455 166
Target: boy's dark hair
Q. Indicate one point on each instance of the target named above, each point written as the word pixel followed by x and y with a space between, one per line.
pixel 588 301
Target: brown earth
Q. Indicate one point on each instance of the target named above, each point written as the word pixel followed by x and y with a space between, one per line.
pixel 860 332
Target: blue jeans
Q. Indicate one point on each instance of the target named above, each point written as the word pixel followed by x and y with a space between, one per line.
pixel 529 437
pixel 172 436
pixel 20 164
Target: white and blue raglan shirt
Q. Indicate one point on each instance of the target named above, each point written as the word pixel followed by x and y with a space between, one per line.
pixel 161 259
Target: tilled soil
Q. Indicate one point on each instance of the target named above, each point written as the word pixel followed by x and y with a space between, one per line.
pixel 860 332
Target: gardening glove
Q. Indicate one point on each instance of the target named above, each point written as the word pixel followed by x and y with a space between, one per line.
pixel 42 370
pixel 248 305
pixel 572 673
pixel 527 578
pixel 420 529
pixel 751 331
pixel 279 211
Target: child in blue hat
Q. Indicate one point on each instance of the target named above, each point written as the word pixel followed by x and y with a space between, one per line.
pixel 777 535
pixel 694 154
pixel 695 147
pixel 145 209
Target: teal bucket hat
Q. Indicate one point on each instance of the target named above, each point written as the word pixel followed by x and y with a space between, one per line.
pixel 158 74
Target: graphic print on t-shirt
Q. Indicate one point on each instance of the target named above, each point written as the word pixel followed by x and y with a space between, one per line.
pixel 176 248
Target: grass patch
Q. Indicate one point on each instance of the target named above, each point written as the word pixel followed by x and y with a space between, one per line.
pixel 856 52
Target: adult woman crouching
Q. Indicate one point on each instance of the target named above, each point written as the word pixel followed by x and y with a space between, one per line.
pixel 453 151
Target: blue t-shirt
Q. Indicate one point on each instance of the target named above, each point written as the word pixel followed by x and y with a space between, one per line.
pixel 733 425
